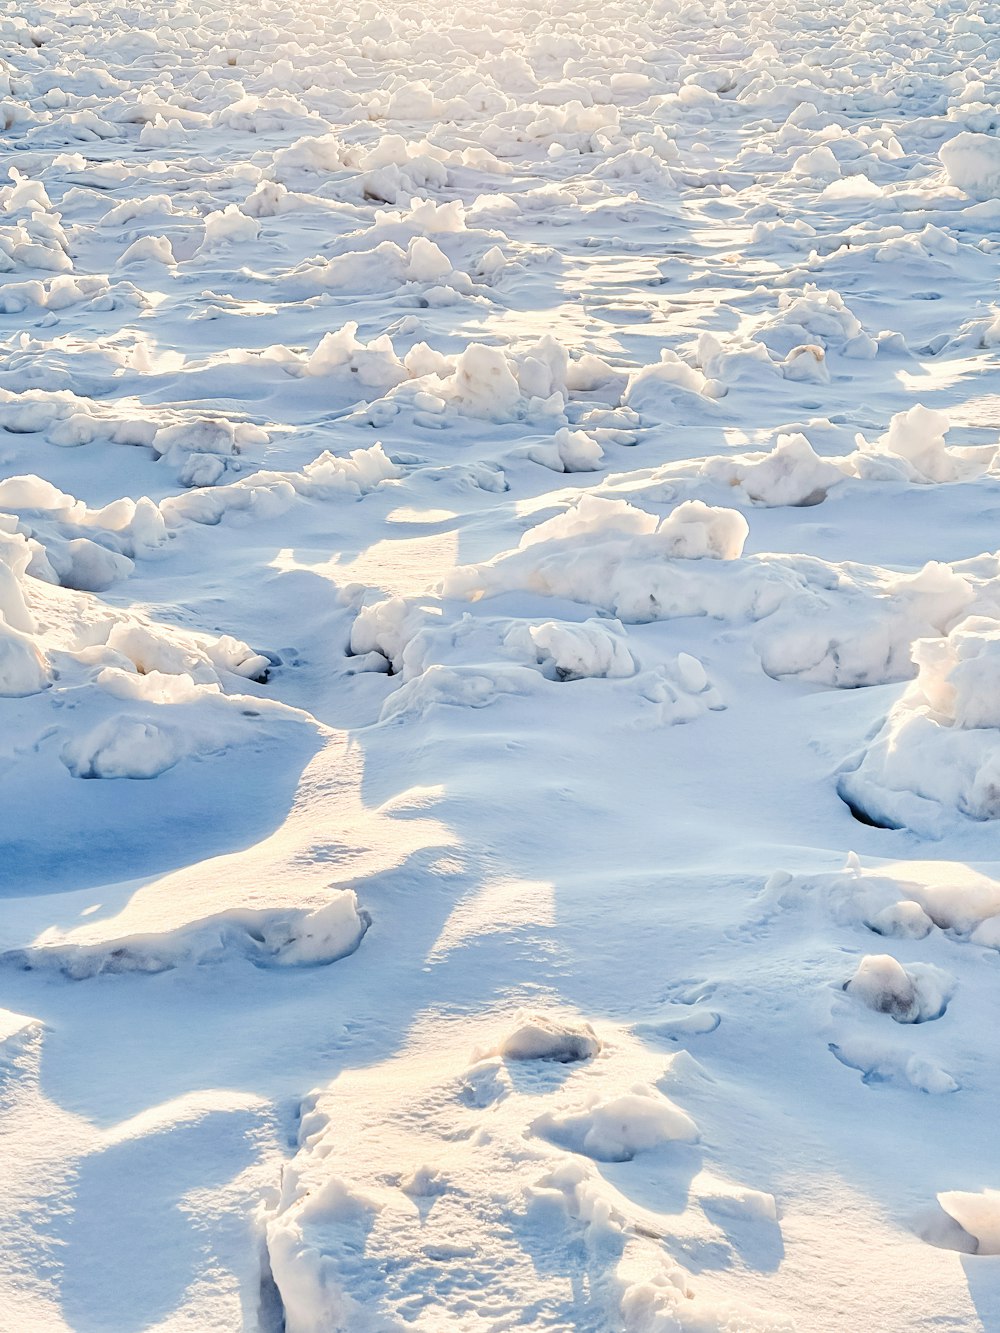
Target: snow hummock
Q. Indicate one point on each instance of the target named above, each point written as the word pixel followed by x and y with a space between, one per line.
pixel 938 754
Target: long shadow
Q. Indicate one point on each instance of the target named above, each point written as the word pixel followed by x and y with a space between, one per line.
pixel 131 1242
pixel 982 1272
pixel 65 834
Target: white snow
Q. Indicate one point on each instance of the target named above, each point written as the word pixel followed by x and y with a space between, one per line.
pixel 544 1037
pixel 938 754
pixel 972 162
pixel 978 1214
pixel 499 667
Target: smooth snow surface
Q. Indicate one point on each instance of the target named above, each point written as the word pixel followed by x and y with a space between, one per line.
pixel 500 667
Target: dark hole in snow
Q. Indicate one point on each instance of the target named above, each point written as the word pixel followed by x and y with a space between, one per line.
pixel 864 817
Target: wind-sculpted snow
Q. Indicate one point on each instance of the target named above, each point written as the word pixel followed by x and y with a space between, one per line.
pixel 938 754
pixel 499 606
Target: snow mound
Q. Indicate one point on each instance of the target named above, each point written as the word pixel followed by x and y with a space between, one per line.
pixel 373 365
pixel 569 451
pixel 615 1130
pixel 840 625
pixel 791 473
pixel 966 904
pixel 322 936
pixel 23 665
pixel 172 682
pixel 908 995
pixel 938 754
pixel 819 318
pixel 471 660
pixel 913 449
pixel 972 162
pixel 266 494
pixel 878 1063
pixel 546 1037
pixel 670 388
pixel 575 652
pixel 23 669
pixel 978 1214
pixel 296 937
pixel 127 747
pixel 73 545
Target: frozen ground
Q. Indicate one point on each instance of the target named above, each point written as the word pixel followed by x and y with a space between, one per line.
pixel 500 667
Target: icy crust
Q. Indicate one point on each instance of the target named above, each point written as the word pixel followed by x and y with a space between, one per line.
pixel 844 624
pixel 938 755
pixel 497 1165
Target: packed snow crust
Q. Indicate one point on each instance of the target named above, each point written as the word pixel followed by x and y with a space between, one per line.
pixel 500 628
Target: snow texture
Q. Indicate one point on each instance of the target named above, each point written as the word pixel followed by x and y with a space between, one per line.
pixel 500 627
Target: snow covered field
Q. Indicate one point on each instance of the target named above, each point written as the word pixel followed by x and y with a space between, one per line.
pixel 500 667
